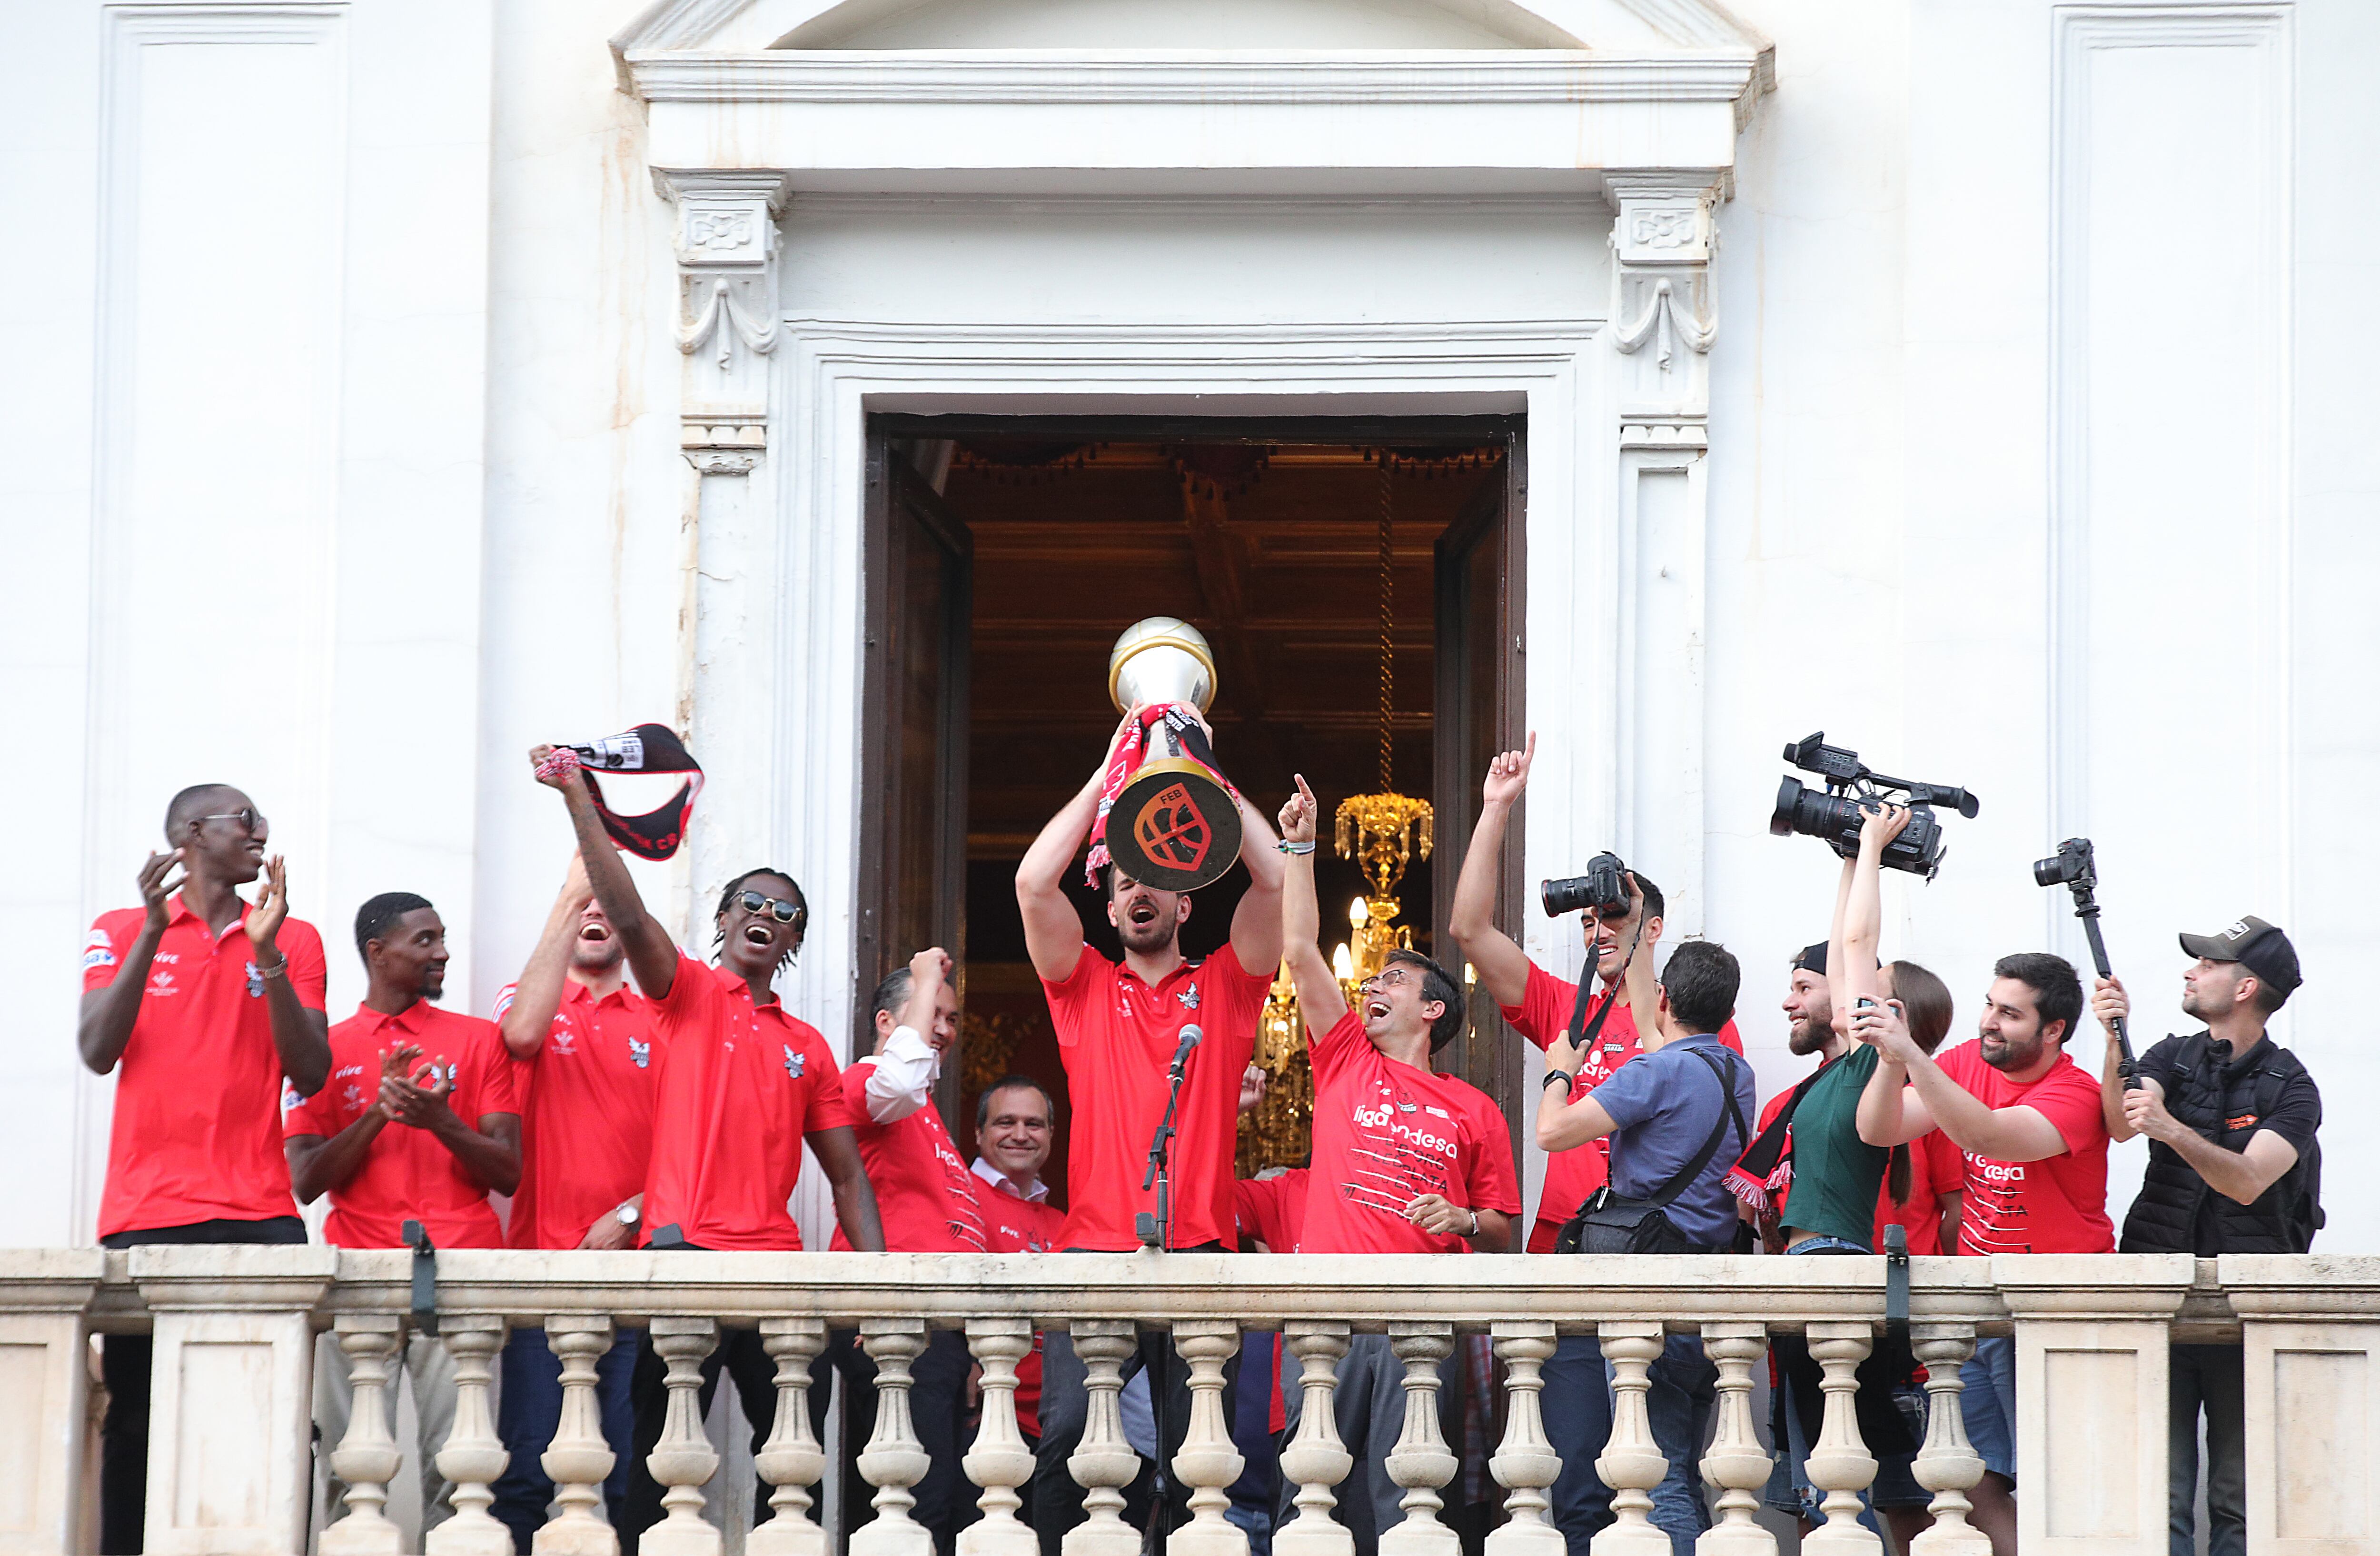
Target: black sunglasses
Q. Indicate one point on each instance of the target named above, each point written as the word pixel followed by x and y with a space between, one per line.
pixel 250 822
pixel 781 911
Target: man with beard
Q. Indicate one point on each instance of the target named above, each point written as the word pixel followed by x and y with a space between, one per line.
pixel 2029 1120
pixel 735 1071
pixel 581 1042
pixel 1539 1006
pixel 419 1123
pixel 1119 1025
pixel 202 1005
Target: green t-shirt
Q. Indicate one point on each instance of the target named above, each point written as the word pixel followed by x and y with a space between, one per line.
pixel 1837 1175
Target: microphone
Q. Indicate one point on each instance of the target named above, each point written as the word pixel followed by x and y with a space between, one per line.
pixel 1191 1038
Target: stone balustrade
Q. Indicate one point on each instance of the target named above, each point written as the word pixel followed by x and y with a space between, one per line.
pixel 233 1329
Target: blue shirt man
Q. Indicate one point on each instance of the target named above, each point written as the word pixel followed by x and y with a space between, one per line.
pixel 1663 1107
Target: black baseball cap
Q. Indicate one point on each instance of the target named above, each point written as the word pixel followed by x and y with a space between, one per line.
pixel 1811 959
pixel 2255 945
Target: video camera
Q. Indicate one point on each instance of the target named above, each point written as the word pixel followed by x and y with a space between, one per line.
pixel 1602 890
pixel 1835 817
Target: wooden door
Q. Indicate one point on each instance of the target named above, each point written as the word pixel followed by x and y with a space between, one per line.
pixel 918 566
pixel 1479 712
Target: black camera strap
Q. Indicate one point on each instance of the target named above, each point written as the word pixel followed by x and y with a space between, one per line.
pixel 1584 1032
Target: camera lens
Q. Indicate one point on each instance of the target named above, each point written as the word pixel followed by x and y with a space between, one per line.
pixel 2050 871
pixel 1565 895
pixel 1789 804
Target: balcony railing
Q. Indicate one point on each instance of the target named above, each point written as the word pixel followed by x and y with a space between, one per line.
pixel 234 1328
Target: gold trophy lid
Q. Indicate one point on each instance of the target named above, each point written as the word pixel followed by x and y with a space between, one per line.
pixel 1168 661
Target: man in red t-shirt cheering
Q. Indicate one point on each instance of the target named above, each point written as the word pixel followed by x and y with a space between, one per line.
pixel 742 1087
pixel 1539 1006
pixel 2028 1119
pixel 582 1053
pixel 445 1083
pixel 1405 1161
pixel 202 1005
pixel 1119 1027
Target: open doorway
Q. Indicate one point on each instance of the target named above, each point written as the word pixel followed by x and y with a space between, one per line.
pixel 1005 555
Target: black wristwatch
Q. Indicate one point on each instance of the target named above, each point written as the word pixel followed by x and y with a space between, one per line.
pixel 1562 1075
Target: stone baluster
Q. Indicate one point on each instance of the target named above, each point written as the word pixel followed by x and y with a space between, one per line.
pixel 474 1456
pixel 1736 1463
pixel 793 1460
pixel 1103 1463
pixel 366 1459
pixel 578 1459
pixel 1841 1465
pixel 894 1460
pixel 999 1461
pixel 1421 1462
pixel 1632 1463
pixel 1208 1461
pixel 683 1459
pixel 1525 1463
pixel 1947 1466
pixel 1315 1458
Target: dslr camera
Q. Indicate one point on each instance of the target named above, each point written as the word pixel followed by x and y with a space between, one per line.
pixel 1834 815
pixel 1603 889
pixel 2073 866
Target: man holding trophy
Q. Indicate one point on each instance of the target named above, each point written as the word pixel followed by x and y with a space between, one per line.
pixel 1156 1032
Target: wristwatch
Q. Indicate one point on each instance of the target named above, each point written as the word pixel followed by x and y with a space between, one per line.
pixel 628 1215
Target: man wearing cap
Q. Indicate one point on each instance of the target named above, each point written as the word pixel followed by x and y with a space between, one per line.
pixel 2233 1169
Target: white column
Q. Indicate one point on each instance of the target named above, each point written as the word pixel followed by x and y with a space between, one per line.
pixel 1525 1463
pixel 684 1459
pixel 1632 1462
pixel 367 1458
pixel 1948 1465
pixel 1421 1462
pixel 1841 1465
pixel 2310 1368
pixel 1735 1462
pixel 231 1404
pixel 43 1370
pixel 1208 1461
pixel 894 1460
pixel 1103 1463
pixel 1316 1459
pixel 474 1456
pixel 578 1459
pixel 792 1460
pixel 2091 1335
pixel 999 1461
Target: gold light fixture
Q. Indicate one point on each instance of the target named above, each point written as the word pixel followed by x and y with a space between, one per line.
pixel 1383 830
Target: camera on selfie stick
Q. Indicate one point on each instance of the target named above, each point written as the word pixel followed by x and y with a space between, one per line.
pixel 1834 817
pixel 2075 867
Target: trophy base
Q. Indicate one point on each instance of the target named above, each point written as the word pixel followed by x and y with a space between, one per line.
pixel 1173 826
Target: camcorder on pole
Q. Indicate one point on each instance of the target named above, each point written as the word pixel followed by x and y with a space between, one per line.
pixel 2076 868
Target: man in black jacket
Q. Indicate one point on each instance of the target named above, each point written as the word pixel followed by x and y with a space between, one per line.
pixel 2233 1169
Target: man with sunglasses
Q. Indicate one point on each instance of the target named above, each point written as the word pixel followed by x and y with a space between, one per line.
pixel 206 1007
pixel 735 1071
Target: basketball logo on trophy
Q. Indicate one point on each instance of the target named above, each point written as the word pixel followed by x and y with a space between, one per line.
pixel 1167 815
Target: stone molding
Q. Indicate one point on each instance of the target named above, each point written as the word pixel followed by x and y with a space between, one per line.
pixel 725 240
pixel 1664 300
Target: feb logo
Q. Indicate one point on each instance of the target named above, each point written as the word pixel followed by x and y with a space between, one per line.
pixel 1172 830
pixel 640 1055
pixel 793 1061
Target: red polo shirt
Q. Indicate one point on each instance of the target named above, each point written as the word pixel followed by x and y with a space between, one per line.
pixel 740 1086
pixel 1116 1036
pixel 586 1119
pixel 408 1173
pixel 196 1133
pixel 925 1197
pixel 1542 1015
pixel 1022 1226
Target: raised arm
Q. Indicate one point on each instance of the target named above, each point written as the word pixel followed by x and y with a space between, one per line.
pixel 2110 1003
pixel 653 955
pixel 2015 1134
pixel 1503 966
pixel 538 994
pixel 1859 911
pixel 109 1013
pixel 1320 1001
pixel 1256 923
pixel 1053 930
pixel 301 1038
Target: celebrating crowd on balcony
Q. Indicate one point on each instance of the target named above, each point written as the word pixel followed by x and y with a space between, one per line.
pixel 631 1094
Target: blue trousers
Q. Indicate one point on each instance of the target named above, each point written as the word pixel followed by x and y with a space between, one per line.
pixel 1577 1406
pixel 530 1408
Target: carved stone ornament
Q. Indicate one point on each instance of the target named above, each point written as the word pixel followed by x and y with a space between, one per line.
pixel 726 243
pixel 1665 305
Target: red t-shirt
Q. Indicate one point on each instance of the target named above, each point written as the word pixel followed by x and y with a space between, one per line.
pixel 1935 1168
pixel 1542 1015
pixel 408 1173
pixel 925 1196
pixel 1385 1132
pixel 1116 1036
pixel 740 1086
pixel 1273 1210
pixel 197 1133
pixel 1021 1226
pixel 587 1118
pixel 2054 1206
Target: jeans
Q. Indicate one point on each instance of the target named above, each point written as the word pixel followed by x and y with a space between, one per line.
pixel 529 1411
pixel 125 1367
pixel 1684 1388
pixel 2208 1376
pixel 1577 1407
pixel 1988 1402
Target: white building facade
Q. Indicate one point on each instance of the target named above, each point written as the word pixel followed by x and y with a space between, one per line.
pixel 397 383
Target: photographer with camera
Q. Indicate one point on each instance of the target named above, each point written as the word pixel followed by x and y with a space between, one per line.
pixel 2233 1169
pixel 1540 1007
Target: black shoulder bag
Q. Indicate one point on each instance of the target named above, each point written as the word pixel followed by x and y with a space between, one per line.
pixel 1611 1223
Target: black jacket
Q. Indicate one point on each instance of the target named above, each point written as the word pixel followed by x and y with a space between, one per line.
pixel 2225 1103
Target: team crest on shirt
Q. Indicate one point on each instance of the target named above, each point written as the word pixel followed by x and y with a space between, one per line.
pixel 793 1061
pixel 640 1055
pixel 161 982
pixel 255 982
pixel 1189 997
pixel 565 1039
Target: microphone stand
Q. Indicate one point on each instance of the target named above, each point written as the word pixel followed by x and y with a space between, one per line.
pixel 1156 1233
